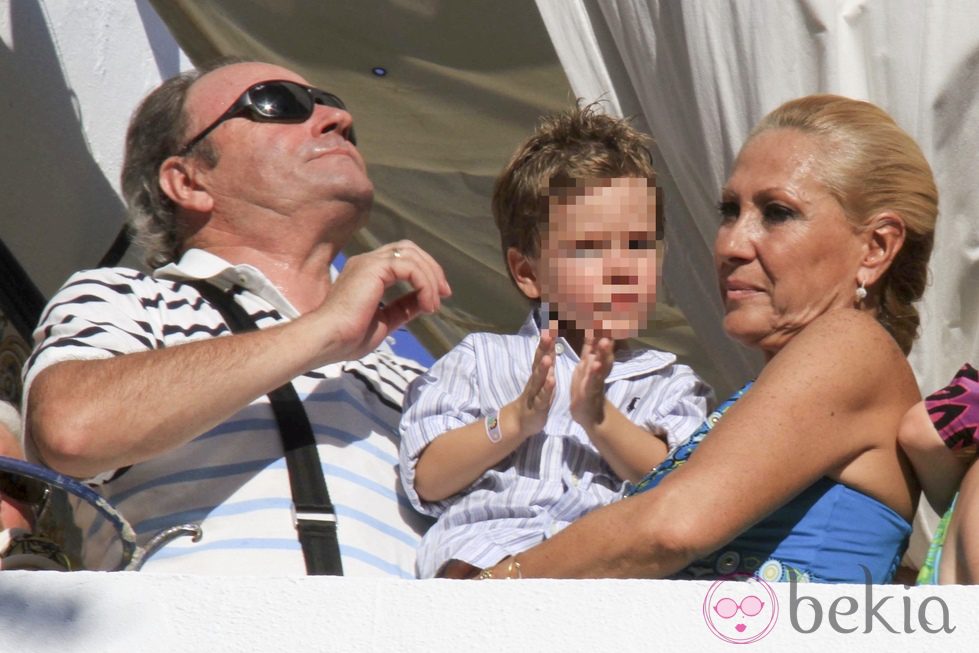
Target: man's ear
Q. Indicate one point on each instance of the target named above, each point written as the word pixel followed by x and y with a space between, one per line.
pixel 179 180
pixel 523 269
pixel 884 237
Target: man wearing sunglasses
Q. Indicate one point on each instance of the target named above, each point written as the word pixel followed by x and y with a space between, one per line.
pixel 248 178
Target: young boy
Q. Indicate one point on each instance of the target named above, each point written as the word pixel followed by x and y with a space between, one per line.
pixel 508 439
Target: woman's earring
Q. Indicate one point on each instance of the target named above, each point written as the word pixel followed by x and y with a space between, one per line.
pixel 861 293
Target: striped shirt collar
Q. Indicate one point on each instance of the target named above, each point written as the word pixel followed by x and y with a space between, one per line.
pixel 199 264
pixel 630 363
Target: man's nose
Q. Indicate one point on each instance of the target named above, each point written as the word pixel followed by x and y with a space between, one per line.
pixel 328 118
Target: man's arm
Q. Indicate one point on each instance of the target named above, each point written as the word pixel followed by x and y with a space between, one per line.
pixel 85 417
pixel 89 416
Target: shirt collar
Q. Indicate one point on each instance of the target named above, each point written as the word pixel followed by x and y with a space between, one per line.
pixel 628 364
pixel 199 264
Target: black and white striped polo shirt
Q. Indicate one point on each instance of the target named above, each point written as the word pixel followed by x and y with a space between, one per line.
pixel 233 478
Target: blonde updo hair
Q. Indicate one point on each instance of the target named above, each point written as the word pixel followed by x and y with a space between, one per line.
pixel 870 166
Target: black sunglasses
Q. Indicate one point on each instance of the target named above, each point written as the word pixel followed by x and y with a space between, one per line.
pixel 275 100
pixel 23 489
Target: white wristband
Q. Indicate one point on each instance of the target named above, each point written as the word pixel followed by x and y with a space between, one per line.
pixel 492 425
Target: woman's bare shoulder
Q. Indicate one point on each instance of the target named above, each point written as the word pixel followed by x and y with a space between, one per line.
pixel 845 352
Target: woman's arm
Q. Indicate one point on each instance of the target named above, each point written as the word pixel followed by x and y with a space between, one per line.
pixel 939 469
pixel 833 394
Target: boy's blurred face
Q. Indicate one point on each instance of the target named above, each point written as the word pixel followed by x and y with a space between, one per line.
pixel 597 266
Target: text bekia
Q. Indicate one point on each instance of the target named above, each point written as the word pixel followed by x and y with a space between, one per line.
pixel 845 616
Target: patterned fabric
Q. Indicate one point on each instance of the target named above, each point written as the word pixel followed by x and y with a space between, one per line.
pixel 555 476
pixel 233 479
pixel 681 454
pixel 954 410
pixel 928 574
pixel 806 539
pixel 776 571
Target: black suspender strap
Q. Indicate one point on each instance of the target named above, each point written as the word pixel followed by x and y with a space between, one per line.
pixel 314 515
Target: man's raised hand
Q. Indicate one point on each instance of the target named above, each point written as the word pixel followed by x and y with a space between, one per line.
pixel 357 321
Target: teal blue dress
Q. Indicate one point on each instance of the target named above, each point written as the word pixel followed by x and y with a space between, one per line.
pixel 828 533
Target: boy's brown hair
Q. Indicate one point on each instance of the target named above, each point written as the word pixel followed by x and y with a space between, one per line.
pixel 568 149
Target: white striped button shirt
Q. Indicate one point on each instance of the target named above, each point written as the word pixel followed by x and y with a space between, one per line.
pixel 233 479
pixel 555 476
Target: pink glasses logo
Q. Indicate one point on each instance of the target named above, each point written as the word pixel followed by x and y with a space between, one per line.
pixel 740 608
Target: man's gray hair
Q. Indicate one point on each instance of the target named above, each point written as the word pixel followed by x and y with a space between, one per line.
pixel 156 132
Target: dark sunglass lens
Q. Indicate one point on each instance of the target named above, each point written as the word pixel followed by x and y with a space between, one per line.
pixel 281 101
pixel 327 99
pixel 21 488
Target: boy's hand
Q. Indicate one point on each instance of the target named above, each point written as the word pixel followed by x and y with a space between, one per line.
pixel 530 409
pixel 588 383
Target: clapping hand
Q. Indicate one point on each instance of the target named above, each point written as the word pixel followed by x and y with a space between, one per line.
pixel 534 403
pixel 588 382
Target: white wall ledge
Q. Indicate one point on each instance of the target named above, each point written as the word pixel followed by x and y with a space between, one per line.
pixel 84 611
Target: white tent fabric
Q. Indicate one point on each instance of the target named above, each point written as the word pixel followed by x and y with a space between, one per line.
pixel 701 74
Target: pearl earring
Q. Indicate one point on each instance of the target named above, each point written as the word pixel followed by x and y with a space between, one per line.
pixel 861 293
